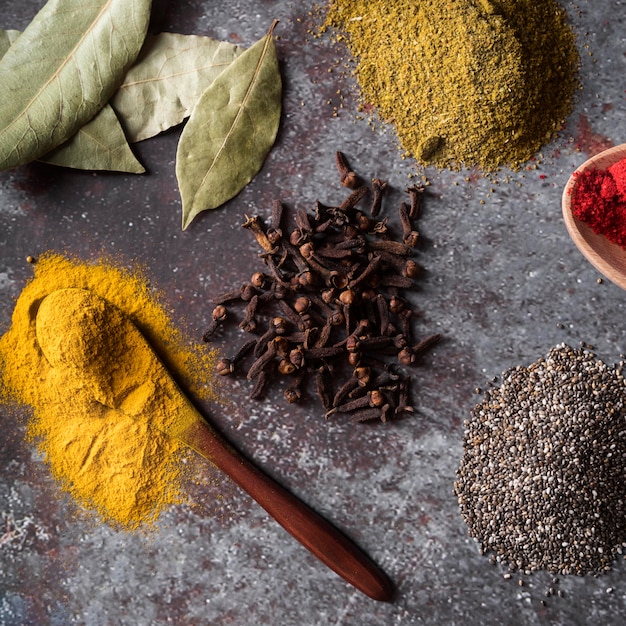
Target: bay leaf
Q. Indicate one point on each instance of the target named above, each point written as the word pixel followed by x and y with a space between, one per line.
pixel 167 79
pixel 7 37
pixel 98 145
pixel 63 69
pixel 230 131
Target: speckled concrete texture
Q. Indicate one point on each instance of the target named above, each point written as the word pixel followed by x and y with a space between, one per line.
pixel 502 282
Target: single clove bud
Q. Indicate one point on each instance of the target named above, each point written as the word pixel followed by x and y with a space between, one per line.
pixel 346 176
pixel 378 187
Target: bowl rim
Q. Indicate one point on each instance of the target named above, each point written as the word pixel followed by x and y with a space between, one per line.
pixel 581 234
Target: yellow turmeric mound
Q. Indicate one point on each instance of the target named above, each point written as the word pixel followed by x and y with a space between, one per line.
pixel 121 466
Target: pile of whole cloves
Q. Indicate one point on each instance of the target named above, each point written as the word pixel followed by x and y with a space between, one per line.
pixel 329 304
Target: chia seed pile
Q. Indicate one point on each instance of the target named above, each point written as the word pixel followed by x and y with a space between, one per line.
pixel 542 481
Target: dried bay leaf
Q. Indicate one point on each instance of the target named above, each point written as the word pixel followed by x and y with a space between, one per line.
pixel 166 81
pixel 231 130
pixel 99 145
pixel 7 37
pixel 62 70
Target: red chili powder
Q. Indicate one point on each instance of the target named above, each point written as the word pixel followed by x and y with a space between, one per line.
pixel 618 172
pixel 599 200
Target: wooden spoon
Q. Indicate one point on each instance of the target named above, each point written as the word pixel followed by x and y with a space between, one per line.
pixel 88 321
pixel 608 258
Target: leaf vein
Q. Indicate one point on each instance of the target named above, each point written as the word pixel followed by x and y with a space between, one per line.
pixel 240 109
pixel 64 63
pixel 155 79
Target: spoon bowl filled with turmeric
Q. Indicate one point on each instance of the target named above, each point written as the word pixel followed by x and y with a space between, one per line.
pixel 594 211
pixel 96 351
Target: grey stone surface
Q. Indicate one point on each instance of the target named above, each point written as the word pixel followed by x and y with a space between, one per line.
pixel 503 283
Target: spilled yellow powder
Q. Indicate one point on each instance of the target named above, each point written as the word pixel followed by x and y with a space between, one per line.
pixel 122 467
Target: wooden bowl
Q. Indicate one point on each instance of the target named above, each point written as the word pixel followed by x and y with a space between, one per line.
pixel 608 258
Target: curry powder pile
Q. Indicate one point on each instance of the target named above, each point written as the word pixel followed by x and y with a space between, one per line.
pixel 465 82
pixel 120 466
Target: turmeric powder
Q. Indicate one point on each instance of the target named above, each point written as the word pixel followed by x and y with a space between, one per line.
pixel 116 462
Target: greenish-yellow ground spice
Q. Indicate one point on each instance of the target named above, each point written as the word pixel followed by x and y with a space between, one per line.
pixel 465 82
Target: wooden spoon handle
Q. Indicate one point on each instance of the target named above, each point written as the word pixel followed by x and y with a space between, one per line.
pixel 325 541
